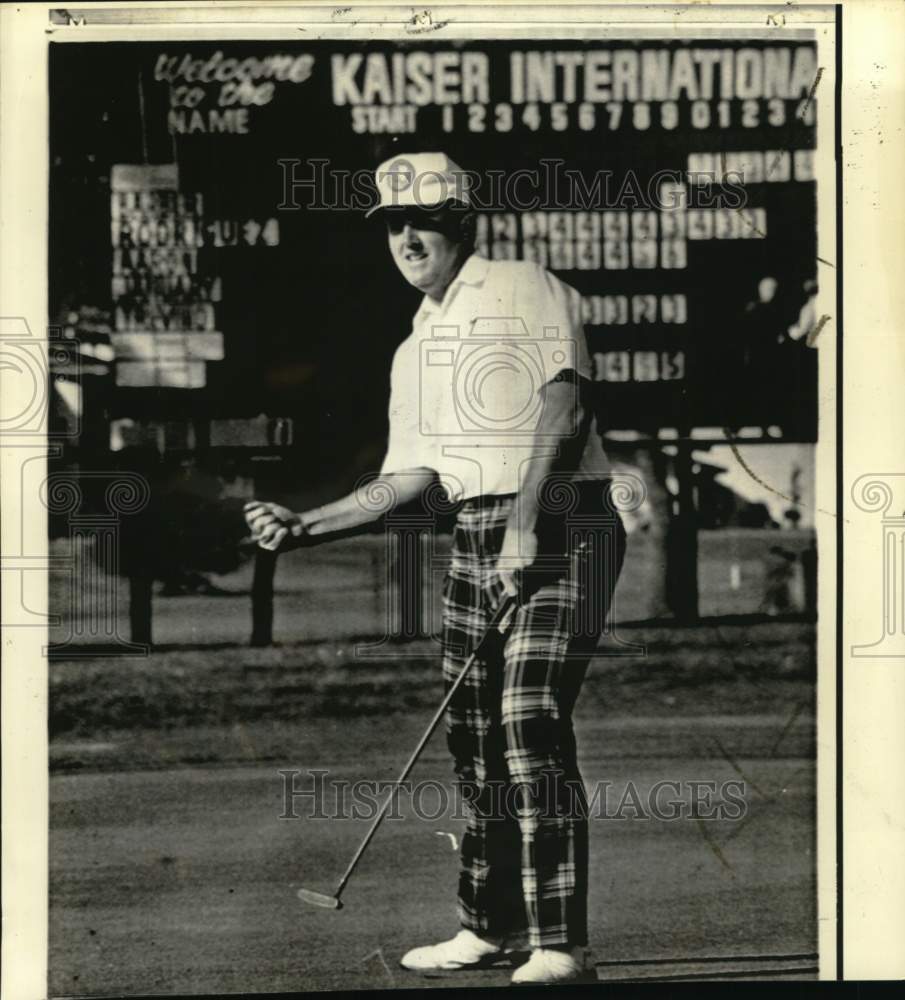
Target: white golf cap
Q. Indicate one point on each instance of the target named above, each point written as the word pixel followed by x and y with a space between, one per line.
pixel 421 180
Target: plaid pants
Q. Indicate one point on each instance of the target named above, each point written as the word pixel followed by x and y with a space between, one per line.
pixel 524 860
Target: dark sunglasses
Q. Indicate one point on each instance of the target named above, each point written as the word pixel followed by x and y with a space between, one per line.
pixel 438 220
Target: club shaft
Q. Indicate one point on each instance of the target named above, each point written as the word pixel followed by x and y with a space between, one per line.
pixel 496 625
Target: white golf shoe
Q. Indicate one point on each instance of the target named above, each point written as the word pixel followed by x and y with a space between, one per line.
pixel 465 951
pixel 548 966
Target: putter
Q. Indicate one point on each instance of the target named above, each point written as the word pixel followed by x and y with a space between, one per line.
pixel 500 622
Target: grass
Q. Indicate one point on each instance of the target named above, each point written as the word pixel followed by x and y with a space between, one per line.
pixel 202 704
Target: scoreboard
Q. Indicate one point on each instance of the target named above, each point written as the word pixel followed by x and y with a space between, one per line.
pixel 222 189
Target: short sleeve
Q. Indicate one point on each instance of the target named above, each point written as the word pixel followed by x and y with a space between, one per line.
pixel 552 311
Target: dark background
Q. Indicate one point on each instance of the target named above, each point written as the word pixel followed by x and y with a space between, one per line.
pixel 310 326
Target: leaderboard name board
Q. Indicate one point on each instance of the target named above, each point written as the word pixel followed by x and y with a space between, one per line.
pixel 671 183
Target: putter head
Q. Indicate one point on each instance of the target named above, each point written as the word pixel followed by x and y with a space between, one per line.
pixel 320 899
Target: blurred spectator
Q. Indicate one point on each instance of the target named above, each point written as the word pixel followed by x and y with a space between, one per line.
pixel 782 583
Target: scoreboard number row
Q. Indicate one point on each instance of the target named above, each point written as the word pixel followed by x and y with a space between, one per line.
pixel 639 115
pixel 639 366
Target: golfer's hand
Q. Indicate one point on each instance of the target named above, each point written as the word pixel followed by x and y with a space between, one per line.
pixel 273 527
pixel 518 553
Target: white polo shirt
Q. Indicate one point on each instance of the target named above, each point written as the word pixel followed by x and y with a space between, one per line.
pixel 465 385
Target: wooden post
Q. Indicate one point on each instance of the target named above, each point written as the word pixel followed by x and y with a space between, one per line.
pixel 95 538
pixel 140 609
pixel 262 598
pixel 682 571
pixel 653 465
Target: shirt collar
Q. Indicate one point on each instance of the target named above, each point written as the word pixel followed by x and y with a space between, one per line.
pixel 472 272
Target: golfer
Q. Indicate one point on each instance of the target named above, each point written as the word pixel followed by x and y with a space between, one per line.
pixel 489 396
